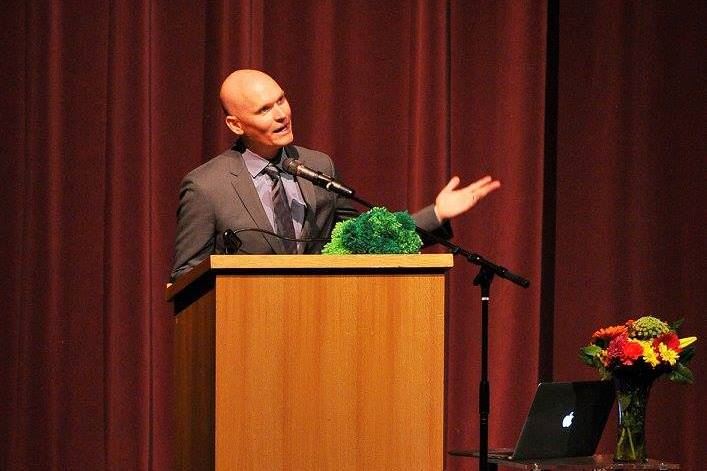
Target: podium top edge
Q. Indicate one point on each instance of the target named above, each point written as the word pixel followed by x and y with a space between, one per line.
pixel 260 262
pixel 246 263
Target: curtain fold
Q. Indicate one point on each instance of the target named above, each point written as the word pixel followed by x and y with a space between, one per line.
pixel 106 107
pixel 631 169
pixel 59 255
pixel 126 265
pixel 497 100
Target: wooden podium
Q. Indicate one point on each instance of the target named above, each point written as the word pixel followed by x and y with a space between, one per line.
pixel 311 362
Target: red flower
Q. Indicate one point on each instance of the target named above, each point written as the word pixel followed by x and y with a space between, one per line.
pixel 670 339
pixel 624 350
pixel 632 352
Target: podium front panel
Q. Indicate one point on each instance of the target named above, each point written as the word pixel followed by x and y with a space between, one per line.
pixel 331 369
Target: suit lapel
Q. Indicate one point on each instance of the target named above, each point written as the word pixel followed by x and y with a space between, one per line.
pixel 246 192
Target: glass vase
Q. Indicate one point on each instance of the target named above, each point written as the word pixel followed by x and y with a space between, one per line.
pixel 632 392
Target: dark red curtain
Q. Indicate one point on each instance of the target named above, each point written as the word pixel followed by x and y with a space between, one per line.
pixel 106 106
pixel 630 191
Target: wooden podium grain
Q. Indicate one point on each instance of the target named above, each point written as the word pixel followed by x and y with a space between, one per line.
pixel 297 362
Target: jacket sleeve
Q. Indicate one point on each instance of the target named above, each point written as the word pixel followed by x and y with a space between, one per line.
pixel 427 219
pixel 196 223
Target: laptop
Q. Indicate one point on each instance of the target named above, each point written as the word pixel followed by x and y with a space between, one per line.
pixel 565 420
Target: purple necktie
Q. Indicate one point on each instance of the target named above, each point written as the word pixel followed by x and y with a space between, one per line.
pixel 283 214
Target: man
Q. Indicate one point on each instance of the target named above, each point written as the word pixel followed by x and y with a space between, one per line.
pixel 243 188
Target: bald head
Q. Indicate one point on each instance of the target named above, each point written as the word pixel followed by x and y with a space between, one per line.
pixel 240 87
pixel 257 111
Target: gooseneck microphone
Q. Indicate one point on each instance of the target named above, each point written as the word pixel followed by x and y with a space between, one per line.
pixel 231 242
pixel 295 167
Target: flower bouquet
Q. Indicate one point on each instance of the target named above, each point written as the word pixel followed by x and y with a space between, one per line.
pixel 634 354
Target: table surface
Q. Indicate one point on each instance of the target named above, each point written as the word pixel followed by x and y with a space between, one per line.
pixel 596 462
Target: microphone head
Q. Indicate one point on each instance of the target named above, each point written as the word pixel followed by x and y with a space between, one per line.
pixel 231 242
pixel 290 165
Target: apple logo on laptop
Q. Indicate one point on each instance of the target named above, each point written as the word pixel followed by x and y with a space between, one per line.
pixel 567 421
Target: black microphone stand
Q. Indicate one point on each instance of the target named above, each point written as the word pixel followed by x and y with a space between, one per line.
pixel 484 278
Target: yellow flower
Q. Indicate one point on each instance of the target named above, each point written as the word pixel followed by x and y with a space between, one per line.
pixel 687 341
pixel 604 358
pixel 649 355
pixel 671 356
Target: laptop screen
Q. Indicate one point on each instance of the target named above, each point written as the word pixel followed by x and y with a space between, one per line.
pixel 565 420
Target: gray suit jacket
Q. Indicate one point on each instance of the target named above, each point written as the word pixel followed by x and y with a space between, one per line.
pixel 220 195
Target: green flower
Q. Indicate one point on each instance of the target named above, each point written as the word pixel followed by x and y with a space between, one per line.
pixel 647 328
pixel 377 231
pixel 336 245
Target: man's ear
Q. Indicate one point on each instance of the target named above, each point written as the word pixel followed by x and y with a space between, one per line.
pixel 234 125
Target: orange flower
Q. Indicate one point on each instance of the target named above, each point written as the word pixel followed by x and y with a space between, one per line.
pixel 608 333
pixel 632 352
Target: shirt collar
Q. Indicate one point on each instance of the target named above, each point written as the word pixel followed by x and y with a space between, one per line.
pixel 255 163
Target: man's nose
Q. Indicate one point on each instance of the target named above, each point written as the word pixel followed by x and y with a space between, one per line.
pixel 278 112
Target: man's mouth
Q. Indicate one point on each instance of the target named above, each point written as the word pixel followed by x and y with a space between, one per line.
pixel 282 129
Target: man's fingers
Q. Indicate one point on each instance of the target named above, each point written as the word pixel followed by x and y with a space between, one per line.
pixel 453 183
pixel 484 185
pixel 488 188
pixel 480 182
